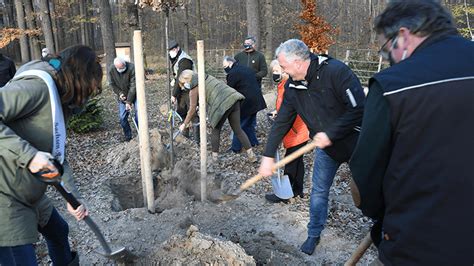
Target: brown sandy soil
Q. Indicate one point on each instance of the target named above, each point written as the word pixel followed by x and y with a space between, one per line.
pixel 186 231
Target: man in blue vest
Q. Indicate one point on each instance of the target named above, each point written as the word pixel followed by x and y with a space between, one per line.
pixel 411 163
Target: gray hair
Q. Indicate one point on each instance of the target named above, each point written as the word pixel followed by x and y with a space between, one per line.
pixel 119 60
pixel 273 64
pixel 229 59
pixel 293 49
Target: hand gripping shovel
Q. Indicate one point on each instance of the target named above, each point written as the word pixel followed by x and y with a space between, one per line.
pixel 54 178
pixel 219 196
pixel 281 184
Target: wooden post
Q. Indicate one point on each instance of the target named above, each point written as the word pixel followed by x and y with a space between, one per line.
pixel 143 120
pixel 168 75
pixel 202 117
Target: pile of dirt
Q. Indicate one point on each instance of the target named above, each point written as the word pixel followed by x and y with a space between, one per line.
pixel 127 155
pixel 196 248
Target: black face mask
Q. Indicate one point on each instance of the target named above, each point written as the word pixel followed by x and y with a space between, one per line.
pixel 247 46
pixel 276 77
pixel 227 69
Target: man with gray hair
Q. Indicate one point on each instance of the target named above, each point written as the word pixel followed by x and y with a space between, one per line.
pixel 253 59
pixel 412 163
pixel 329 98
pixel 122 81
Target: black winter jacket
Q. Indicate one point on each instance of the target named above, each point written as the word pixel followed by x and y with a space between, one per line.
pixel 241 78
pixel 412 162
pixel 7 70
pixel 254 60
pixel 330 100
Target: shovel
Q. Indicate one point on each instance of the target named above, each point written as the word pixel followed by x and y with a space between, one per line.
pixel 132 115
pixel 175 135
pixel 219 196
pixel 54 178
pixel 281 184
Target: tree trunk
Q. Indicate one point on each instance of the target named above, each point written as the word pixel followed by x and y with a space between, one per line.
pixel 83 16
pixel 200 30
pixel 253 23
pixel 107 32
pixel 9 20
pixel 20 14
pixel 53 16
pixel 91 32
pixel 269 29
pixel 35 46
pixel 46 25
pixel 186 29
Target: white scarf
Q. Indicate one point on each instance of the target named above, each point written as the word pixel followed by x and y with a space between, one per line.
pixel 59 127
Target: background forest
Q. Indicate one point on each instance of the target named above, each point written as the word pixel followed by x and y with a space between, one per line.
pixel 29 25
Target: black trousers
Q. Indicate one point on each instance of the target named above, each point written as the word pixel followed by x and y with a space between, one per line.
pixel 295 171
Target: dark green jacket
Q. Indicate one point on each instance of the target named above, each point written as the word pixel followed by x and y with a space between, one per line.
pixel 124 82
pixel 25 128
pixel 254 60
pixel 219 99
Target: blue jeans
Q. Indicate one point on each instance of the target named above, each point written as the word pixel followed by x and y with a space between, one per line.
pixel 123 116
pixel 248 125
pixel 56 234
pixel 324 170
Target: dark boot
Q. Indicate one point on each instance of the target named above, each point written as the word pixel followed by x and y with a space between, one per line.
pixel 309 245
pixel 275 199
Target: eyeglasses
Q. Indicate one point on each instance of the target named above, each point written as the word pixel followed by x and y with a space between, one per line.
pixel 385 54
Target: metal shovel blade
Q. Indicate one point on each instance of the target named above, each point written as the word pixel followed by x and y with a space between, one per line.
pixel 281 184
pixel 282 187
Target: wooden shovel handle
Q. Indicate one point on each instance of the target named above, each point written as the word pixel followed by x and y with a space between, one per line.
pixel 360 250
pixel 306 148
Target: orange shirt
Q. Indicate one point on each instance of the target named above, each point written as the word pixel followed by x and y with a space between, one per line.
pixel 299 132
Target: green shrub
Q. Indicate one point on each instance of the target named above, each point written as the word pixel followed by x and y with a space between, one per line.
pixel 89 120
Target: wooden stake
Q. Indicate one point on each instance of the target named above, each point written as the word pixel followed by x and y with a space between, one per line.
pixel 202 117
pixel 143 120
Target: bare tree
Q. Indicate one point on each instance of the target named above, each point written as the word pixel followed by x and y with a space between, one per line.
pixel 200 29
pixel 46 25
pixel 253 23
pixel 107 32
pixel 83 16
pixel 20 15
pixel 186 28
pixel 35 46
pixel 268 29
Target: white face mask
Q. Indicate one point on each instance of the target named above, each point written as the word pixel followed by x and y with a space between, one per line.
pixel 187 86
pixel 44 54
pixel 173 53
pixel 121 70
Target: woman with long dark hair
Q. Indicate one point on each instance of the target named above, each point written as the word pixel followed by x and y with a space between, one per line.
pixel 34 106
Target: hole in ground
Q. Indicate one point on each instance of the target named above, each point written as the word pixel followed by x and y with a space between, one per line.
pixel 126 195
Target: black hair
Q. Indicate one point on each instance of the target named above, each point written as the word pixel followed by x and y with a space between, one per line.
pixel 421 17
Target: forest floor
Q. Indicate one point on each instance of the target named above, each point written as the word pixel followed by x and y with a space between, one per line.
pixel 186 231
